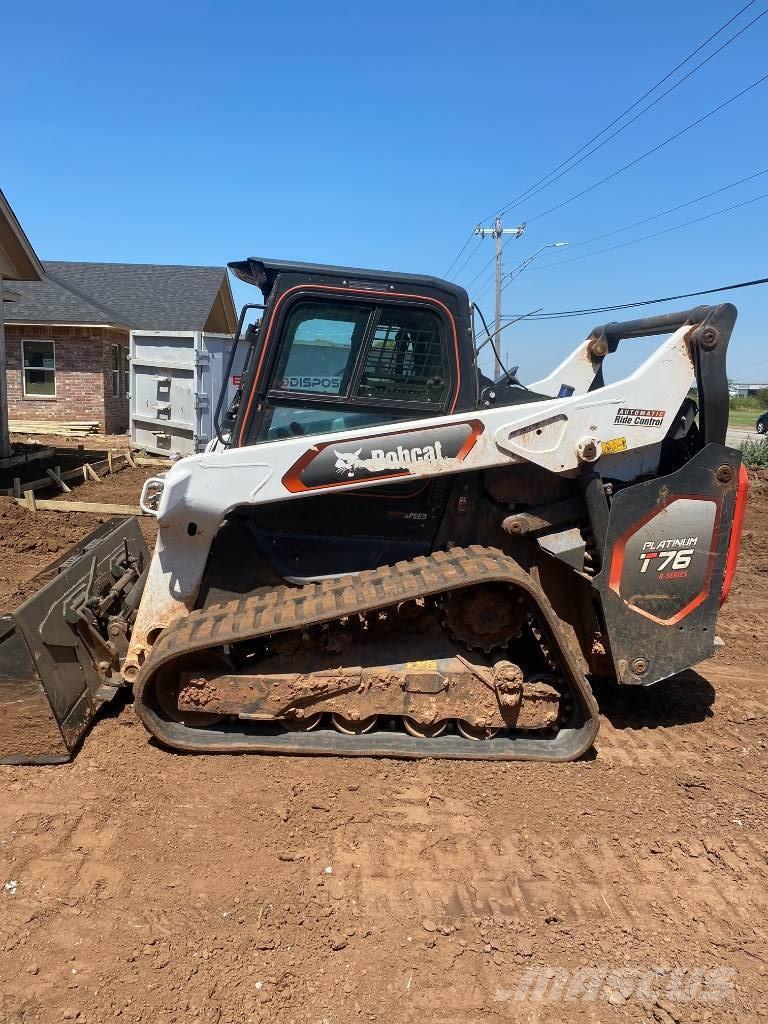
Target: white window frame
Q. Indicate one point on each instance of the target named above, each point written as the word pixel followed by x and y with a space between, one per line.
pixel 24 368
pixel 125 370
pixel 115 370
pixel 122 370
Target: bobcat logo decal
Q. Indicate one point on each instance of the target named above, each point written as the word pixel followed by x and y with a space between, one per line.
pixel 352 461
pixel 346 462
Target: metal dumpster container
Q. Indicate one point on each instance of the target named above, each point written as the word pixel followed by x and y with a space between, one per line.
pixel 176 377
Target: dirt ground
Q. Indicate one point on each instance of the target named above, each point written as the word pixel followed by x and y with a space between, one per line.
pixel 29 541
pixel 138 885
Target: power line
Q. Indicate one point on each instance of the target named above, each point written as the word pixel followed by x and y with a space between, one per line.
pixel 646 302
pixel 459 255
pixel 488 284
pixel 760 350
pixel 496 333
pixel 637 223
pixel 466 261
pixel 491 339
pixel 637 102
pixel 654 149
pixel 483 268
pixel 486 265
pixel 535 191
pixel 655 234
pixel 749 368
pixel 607 128
pixel 750 360
pixel 655 216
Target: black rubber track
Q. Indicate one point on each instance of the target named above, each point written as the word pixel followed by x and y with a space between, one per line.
pixel 290 608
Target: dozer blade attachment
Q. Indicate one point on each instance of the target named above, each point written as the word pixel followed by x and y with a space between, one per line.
pixel 59 650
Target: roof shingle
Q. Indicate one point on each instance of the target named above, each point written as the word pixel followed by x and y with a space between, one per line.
pixel 143 296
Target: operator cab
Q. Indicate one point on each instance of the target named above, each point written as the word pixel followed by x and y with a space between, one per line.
pixel 340 348
pixel 331 350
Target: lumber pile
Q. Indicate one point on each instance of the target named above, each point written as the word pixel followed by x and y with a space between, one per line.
pixel 69 428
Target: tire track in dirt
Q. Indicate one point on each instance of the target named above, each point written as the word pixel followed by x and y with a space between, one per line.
pixel 692 721
pixel 580 878
pixel 665 749
pixel 158 888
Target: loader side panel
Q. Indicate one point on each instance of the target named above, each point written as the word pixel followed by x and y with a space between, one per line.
pixel 664 566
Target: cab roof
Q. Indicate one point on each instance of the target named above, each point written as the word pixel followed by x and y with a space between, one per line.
pixel 264 272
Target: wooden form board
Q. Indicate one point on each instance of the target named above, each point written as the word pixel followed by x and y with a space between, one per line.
pixel 78 473
pixel 94 507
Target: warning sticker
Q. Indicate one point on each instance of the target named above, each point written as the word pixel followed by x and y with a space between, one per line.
pixel 616 444
pixel 640 417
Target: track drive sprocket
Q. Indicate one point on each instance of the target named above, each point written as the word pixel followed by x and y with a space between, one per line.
pixel 485 618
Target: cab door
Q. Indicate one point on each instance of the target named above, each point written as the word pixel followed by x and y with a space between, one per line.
pixel 341 365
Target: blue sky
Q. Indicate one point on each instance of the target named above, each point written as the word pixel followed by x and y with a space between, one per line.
pixel 377 135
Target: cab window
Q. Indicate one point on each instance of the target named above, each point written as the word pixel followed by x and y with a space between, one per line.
pixel 407 359
pixel 346 365
pixel 321 344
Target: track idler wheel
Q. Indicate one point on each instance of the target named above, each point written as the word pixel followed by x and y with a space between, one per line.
pixel 193 671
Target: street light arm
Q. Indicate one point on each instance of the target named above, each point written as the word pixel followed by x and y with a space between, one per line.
pixel 519 269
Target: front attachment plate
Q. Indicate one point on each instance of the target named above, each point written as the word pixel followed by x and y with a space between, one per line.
pixel 49 684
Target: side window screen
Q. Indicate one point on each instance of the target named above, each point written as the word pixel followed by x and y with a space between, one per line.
pixel 407 361
pixel 321 343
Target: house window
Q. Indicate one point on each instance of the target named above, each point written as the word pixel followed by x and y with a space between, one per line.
pixel 115 371
pixel 126 372
pixel 38 369
pixel 120 372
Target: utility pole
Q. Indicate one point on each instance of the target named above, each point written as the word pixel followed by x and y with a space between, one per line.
pixel 497 231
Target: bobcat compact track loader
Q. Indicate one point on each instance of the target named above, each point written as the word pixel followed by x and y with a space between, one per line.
pixel 386 553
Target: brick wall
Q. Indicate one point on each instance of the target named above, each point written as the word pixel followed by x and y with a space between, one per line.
pixel 83 376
